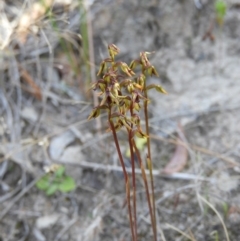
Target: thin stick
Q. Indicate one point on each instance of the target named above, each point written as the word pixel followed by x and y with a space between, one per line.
pixel 92 67
pixel 107 168
pixel 19 196
pixel 65 229
pixel 179 231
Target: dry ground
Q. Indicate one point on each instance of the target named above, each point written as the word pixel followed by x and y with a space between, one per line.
pixel 44 107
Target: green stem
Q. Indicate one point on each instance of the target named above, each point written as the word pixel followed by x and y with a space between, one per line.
pixel 85 41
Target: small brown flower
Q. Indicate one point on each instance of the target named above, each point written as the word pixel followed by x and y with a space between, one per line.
pixel 144 60
pixel 102 68
pixel 94 114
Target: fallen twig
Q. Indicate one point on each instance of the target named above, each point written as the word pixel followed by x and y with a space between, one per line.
pixel 18 197
pixel 197 148
pixel 108 168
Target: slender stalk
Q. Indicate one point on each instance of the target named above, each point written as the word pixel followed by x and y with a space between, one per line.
pixel 126 178
pixel 133 182
pixel 149 162
pixel 130 136
pixel 92 64
pixel 145 184
pixel 130 209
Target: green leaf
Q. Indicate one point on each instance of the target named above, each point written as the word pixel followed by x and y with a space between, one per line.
pixel 52 189
pixel 225 208
pixel 60 171
pixel 220 8
pixel 68 184
pixel 43 183
pixel 140 143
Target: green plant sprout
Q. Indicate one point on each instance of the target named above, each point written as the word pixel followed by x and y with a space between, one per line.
pixel 215 235
pixel 56 180
pixel 220 9
pixel 140 143
pixel 225 207
pixel 123 93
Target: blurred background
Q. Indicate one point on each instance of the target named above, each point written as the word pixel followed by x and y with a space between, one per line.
pixel 50 52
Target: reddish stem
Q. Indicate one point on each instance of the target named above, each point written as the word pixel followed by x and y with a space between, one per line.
pixel 145 183
pixel 126 178
pixel 150 162
pixel 133 181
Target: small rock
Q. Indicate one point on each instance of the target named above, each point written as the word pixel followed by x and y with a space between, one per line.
pixel 29 113
pixel 47 221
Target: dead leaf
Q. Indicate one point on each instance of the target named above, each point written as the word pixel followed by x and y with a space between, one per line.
pixel 29 18
pixel 19 154
pixel 59 143
pixel 179 158
pixel 34 88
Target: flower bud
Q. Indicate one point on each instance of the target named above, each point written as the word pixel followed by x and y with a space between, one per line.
pixel 113 50
pixel 141 80
pixel 94 114
pixel 126 69
pixel 158 88
pixel 136 106
pixel 136 119
pixel 130 88
pixel 154 71
pixel 144 60
pixel 101 69
pixel 133 64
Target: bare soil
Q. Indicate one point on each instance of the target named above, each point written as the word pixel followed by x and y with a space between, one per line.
pixel 202 78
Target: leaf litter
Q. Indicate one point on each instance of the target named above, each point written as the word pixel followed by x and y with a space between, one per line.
pixel 209 98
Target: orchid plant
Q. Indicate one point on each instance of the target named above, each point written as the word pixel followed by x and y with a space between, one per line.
pixel 124 94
